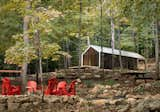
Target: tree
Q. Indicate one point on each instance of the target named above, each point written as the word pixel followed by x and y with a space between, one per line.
pixel 25 51
pixel 26 43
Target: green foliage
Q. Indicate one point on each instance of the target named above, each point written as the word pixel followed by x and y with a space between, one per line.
pixel 88 83
pixel 139 89
pixel 20 53
pixel 17 54
pixel 109 82
pixel 59 26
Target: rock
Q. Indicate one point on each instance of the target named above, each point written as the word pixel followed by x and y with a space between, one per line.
pixel 157 96
pixel 97 76
pixel 135 96
pixel 124 109
pixel 118 93
pixel 99 102
pixel 75 98
pixel 83 77
pixel 97 89
pixel 88 74
pixel 106 91
pixel 104 95
pixel 35 98
pixel 127 81
pixel 148 97
pixel 108 87
pixel 35 103
pixel 71 100
pixel 11 99
pixel 82 102
pixel 52 99
pixel 65 99
pixel 147 105
pixel 3 99
pixel 3 107
pixel 116 85
pixel 131 101
pixel 23 99
pixel 26 106
pixel 148 86
pixel 155 105
pixel 13 107
pixel 116 101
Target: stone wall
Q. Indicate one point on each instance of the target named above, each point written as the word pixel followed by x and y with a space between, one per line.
pixel 33 103
pixel 88 73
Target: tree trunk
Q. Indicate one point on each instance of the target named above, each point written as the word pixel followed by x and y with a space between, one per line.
pixel 36 46
pixel 68 51
pixel 39 54
pixel 120 53
pixel 101 37
pixel 79 35
pixel 37 71
pixel 146 52
pixel 135 42
pixel 156 50
pixel 26 21
pixel 113 46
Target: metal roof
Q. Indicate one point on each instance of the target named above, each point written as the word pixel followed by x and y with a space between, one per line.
pixel 116 52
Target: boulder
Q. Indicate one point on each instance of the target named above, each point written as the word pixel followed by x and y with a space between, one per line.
pixel 108 87
pixel 97 89
pixel 116 86
pixel 99 102
pixel 124 108
pixel 97 76
pixel 13 107
pixel 3 99
pixel 3 107
pixel 52 99
pixel 116 101
pixel 148 105
pixel 147 86
pixel 131 101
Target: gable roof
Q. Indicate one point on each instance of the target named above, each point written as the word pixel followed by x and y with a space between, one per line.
pixel 115 52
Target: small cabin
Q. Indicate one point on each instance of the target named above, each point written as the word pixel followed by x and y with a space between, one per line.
pixel 92 56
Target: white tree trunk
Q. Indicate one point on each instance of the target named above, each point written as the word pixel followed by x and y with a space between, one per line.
pixel 113 46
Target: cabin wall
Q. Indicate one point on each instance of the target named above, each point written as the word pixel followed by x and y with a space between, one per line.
pixel 91 58
pixel 132 63
pixel 128 63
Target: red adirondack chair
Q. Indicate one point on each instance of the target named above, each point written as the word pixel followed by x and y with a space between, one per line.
pixel 52 87
pixel 31 86
pixel 62 88
pixel 8 89
pixel 72 87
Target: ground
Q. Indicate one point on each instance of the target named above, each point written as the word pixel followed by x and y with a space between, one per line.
pixel 120 94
